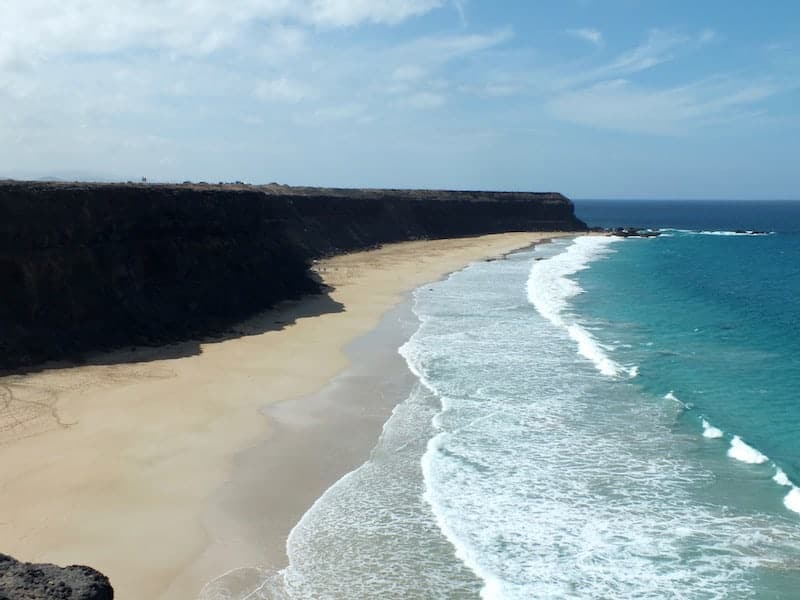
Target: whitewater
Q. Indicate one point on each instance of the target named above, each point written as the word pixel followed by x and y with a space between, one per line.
pixel 557 479
pixel 562 443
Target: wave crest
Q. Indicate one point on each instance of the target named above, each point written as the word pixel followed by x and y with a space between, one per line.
pixel 792 500
pixel 744 453
pixel 550 289
pixel 781 478
pixel 711 432
pixel 747 232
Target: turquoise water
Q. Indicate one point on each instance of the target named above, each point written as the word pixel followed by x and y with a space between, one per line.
pixel 715 321
pixel 594 418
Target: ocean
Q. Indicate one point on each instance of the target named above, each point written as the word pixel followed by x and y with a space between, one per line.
pixel 596 418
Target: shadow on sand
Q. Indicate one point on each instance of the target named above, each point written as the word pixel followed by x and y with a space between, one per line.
pixel 276 318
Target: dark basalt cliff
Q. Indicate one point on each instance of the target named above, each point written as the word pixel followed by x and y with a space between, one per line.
pixel 86 267
pixel 26 581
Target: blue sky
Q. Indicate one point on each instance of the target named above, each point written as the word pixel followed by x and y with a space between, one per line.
pixel 615 99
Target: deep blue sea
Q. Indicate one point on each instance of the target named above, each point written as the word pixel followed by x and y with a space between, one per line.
pixel 595 418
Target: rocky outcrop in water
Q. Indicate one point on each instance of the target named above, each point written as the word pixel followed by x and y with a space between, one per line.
pixel 27 581
pixel 634 232
pixel 87 267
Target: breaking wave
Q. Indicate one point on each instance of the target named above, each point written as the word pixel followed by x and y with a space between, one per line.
pixel 745 453
pixel 550 288
pixel 711 432
pixel 748 232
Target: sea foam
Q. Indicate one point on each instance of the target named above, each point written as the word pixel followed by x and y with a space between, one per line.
pixel 550 288
pixel 749 232
pixel 729 233
pixel 792 500
pixel 744 453
pixel 541 490
pixel 672 397
pixel 781 478
pixel 711 432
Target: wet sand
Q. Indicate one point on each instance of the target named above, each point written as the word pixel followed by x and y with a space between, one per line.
pixel 167 472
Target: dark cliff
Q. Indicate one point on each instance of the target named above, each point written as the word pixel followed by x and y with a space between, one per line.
pixel 93 266
pixel 26 581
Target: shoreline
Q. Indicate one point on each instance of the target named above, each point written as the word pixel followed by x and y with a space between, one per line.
pixel 121 466
pixel 327 434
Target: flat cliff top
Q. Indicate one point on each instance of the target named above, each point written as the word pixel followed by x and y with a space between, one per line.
pixel 277 189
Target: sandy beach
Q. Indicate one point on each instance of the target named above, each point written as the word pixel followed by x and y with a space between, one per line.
pixel 154 469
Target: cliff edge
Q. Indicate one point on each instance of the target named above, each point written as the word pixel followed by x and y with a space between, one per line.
pixel 86 267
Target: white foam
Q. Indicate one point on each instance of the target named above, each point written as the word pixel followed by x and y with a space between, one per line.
pixel 493 589
pixel 539 493
pixel 781 478
pixel 542 495
pixel 711 432
pixel 589 348
pixel 792 500
pixel 744 453
pixel 722 232
pixel 550 289
pixel 464 552
pixel 671 396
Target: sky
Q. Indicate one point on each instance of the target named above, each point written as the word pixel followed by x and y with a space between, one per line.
pixel 591 98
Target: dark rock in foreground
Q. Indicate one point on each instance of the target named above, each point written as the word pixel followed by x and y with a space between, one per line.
pixel 86 267
pixel 27 581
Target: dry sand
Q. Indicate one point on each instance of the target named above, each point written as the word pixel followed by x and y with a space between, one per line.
pixel 123 466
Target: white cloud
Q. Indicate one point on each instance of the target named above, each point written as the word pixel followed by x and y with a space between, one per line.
pixel 461 9
pixel 424 100
pixel 350 111
pixel 492 89
pixel 74 81
pixel 283 41
pixel 408 73
pixel 445 48
pixel 593 36
pixel 620 105
pixel 707 36
pixel 608 97
pixel 657 49
pixel 345 13
pixel 213 86
pixel 281 90
pixel 498 90
pixel 417 67
pixel 38 29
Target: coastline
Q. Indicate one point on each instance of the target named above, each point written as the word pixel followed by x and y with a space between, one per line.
pixel 326 434
pixel 124 467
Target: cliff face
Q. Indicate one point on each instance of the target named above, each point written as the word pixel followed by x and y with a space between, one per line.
pixel 92 266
